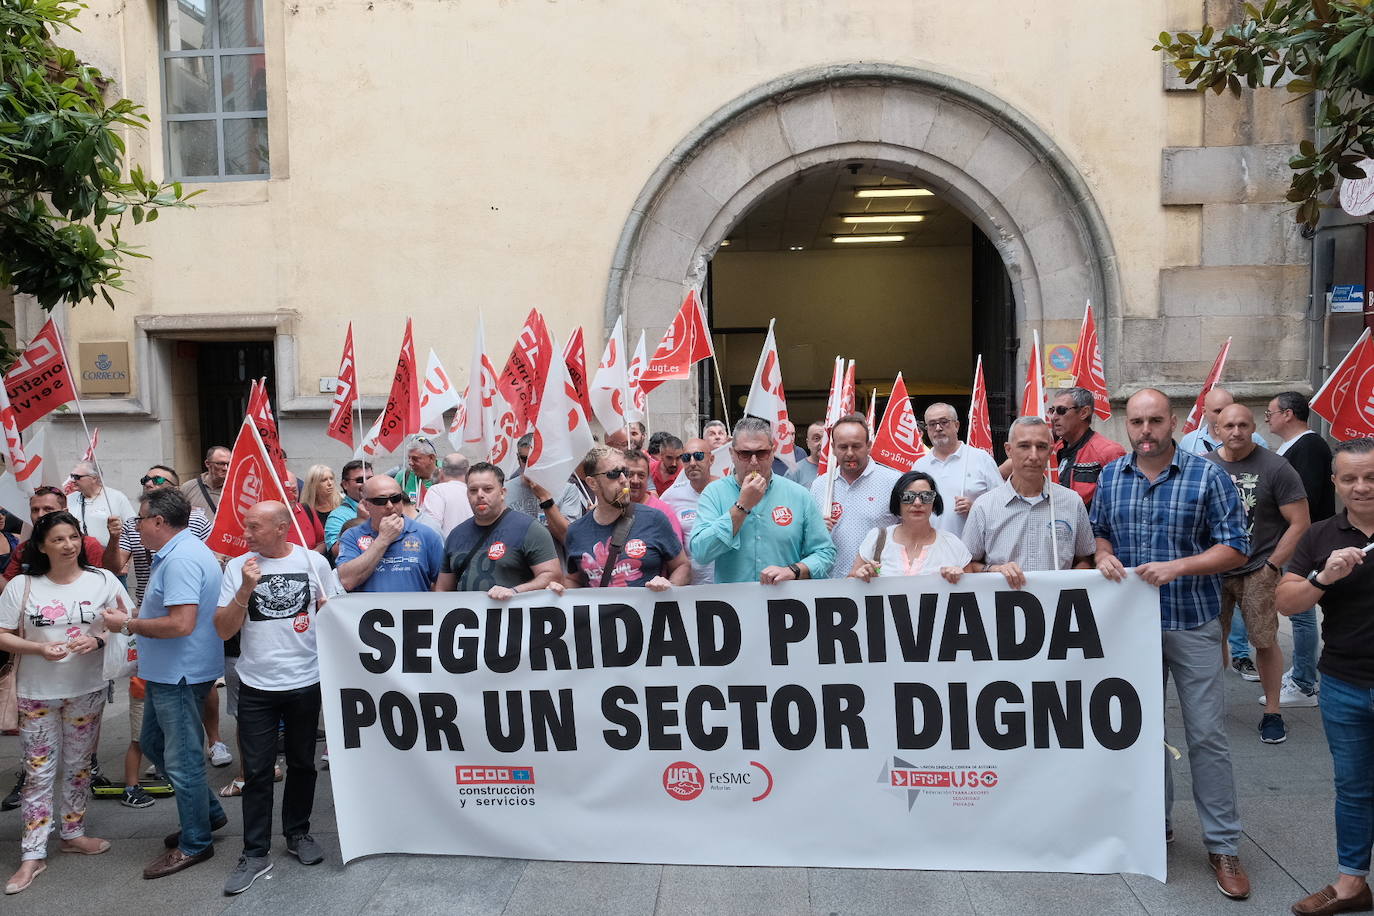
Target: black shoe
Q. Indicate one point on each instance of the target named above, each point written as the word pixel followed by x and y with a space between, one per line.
pixel 305 848
pixel 136 797
pixel 1272 730
pixel 173 840
pixel 11 801
pixel 1245 668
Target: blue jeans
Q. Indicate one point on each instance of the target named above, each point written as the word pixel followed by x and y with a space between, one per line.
pixel 173 739
pixel 1239 640
pixel 1348 716
pixel 1305 649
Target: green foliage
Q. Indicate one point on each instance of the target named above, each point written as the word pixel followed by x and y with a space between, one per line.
pixel 63 195
pixel 1323 46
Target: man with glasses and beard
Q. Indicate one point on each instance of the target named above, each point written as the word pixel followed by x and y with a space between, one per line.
pixel 962 473
pixel 1080 451
pixel 757 526
pixel 388 552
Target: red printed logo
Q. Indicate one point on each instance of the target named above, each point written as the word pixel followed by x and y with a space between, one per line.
pixel 494 776
pixel 836 510
pixel 496 551
pixel 635 548
pixel 683 780
pixel 364 542
pixel 782 516
pixel 302 622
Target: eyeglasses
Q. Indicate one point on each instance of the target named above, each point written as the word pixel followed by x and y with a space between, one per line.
pixel 912 496
pixel 140 519
pixel 613 473
pixel 393 499
pixel 354 479
pixel 150 478
pixel 753 454
pixel 933 424
pixel 80 476
pixel 1269 414
pixel 693 456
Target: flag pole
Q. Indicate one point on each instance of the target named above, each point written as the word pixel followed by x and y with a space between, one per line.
pixel 95 460
pixel 1054 522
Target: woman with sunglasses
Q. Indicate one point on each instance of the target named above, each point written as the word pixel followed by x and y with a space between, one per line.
pixel 61 684
pixel 912 547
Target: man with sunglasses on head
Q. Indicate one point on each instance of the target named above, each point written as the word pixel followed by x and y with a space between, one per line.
pixel 355 473
pixel 205 490
pixel 962 473
pixel 1080 451
pixel 388 552
pixel 500 550
pixel 93 502
pixel 684 496
pixel 757 526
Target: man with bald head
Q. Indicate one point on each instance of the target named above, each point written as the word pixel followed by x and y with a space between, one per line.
pixel 1177 522
pixel 1207 438
pixel 1276 514
pixel 271 595
pixel 388 552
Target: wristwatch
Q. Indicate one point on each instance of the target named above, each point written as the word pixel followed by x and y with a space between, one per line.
pixel 99 643
pixel 124 627
pixel 1312 578
pixel 546 505
pixel 796 570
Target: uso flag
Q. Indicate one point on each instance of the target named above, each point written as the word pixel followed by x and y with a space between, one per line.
pixel 251 480
pixel 898 444
pixel 40 382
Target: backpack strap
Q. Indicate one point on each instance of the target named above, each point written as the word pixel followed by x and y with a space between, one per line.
pixel 618 538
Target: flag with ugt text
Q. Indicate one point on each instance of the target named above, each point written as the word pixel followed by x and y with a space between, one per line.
pixel 40 381
pixel 345 394
pixel 1353 394
pixel 522 379
pixel 686 343
pixel 898 443
pixel 768 400
pixel 401 417
pixel 1087 366
pixel 979 425
pixel 251 480
pixel 610 392
pixel 1198 414
pixel 562 435
pixel 437 397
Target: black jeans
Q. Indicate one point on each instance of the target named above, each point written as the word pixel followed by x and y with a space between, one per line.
pixel 259 713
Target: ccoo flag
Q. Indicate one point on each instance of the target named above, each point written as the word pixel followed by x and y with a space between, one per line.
pixel 402 414
pixel 40 381
pixel 575 361
pixel 898 442
pixel 522 379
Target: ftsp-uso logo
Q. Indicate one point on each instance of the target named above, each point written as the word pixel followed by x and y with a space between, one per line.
pixel 953 787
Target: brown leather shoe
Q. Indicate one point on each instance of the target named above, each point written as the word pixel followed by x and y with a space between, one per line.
pixel 173 861
pixel 1231 878
pixel 1325 902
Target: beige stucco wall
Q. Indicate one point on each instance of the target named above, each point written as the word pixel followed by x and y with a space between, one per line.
pixel 436 158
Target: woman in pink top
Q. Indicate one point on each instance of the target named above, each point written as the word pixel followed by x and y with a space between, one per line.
pixel 912 547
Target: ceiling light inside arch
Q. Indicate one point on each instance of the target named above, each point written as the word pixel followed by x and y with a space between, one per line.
pixel 883 218
pixel 864 239
pixel 893 192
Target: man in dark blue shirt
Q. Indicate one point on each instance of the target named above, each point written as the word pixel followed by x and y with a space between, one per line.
pixel 389 552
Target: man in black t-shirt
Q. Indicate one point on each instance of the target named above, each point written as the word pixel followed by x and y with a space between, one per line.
pixel 498 551
pixel 1331 565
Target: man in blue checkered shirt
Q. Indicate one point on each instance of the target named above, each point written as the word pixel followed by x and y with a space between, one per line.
pixel 1177 522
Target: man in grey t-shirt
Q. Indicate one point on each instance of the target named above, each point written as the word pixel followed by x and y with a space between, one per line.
pixel 1276 512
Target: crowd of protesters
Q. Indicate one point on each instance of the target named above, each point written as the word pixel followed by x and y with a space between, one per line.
pixel 1233 534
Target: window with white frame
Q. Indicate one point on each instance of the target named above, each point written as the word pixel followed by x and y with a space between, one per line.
pixel 214 90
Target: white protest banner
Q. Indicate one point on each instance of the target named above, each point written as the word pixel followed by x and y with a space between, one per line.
pixel 903 723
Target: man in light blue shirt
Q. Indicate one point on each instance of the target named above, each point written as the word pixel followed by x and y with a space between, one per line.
pixel 180 656
pixel 388 553
pixel 757 526
pixel 355 473
pixel 1205 438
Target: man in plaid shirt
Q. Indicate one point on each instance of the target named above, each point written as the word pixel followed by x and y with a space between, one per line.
pixel 1177 522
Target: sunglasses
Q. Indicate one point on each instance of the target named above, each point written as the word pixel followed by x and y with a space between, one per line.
pixel 757 454
pixel 80 476
pixel 150 478
pixel 693 456
pixel 613 473
pixel 1059 410
pixel 354 479
pixel 911 496
pixel 393 499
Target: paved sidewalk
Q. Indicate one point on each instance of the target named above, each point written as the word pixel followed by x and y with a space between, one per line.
pixel 1288 848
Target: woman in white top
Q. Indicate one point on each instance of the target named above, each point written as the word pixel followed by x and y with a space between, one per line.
pixel 61 684
pixel 912 547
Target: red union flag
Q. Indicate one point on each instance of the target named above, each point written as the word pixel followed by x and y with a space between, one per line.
pixel 260 412
pixel 522 379
pixel 1199 411
pixel 1033 393
pixel 686 343
pixel 16 460
pixel 979 426
pixel 898 442
pixel 1331 395
pixel 847 392
pixel 1087 366
pixel 1349 393
pixel 575 361
pixel 250 481
pixel 834 409
pixel 402 414
pixel 611 385
pixel 345 394
pixel 768 400
pixel 639 397
pixel 562 434
pixel 40 381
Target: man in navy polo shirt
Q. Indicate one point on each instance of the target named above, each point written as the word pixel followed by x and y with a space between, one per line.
pixel 388 552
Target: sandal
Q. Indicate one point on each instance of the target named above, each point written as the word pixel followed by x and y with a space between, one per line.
pixel 18 887
pixel 101 846
pixel 232 790
pixel 277 774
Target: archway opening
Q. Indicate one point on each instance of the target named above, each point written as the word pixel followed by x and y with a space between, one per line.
pixel 868 260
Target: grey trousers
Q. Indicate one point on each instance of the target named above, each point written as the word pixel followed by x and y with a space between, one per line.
pixel 1193 657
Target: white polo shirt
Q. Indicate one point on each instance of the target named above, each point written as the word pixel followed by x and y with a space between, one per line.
pixel 967 471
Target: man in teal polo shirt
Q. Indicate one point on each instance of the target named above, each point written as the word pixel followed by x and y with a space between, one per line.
pixel 355 474
pixel 756 526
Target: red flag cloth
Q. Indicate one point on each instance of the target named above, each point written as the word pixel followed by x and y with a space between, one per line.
pixel 1033 392
pixel 575 359
pixel 522 379
pixel 1196 415
pixel 345 395
pixel 260 412
pixel 847 392
pixel 40 381
pixel 16 461
pixel 250 481
pixel 686 343
pixel 979 426
pixel 1087 366
pixel 90 447
pixel 402 415
pixel 1354 414
pixel 768 400
pixel 872 407
pixel 562 434
pixel 1331 395
pixel 833 411
pixel 637 409
pixel 898 442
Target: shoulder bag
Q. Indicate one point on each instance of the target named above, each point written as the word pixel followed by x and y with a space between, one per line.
pixel 619 536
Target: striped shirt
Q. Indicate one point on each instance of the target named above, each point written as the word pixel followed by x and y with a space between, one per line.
pixel 1006 527
pixel 1191 506
pixel 132 541
pixel 862 506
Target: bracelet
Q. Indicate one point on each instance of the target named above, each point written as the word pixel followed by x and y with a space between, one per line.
pixel 99 643
pixel 741 508
pixel 242 604
pixel 547 504
pixel 796 570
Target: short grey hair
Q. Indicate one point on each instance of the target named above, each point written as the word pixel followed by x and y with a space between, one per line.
pixel 455 466
pixel 712 424
pixel 1361 446
pixel 1032 422
pixel 950 407
pixel 754 426
pixel 420 443
pixel 1081 397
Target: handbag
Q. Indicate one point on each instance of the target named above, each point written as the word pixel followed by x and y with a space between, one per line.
pixel 9 676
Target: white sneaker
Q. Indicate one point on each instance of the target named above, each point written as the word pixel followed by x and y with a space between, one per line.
pixel 1290 694
pixel 219 755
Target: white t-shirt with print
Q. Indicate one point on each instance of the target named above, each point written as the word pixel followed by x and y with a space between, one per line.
pixel 56 613
pixel 278 646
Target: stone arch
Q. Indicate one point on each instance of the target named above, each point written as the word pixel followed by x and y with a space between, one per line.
pixel 974 149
